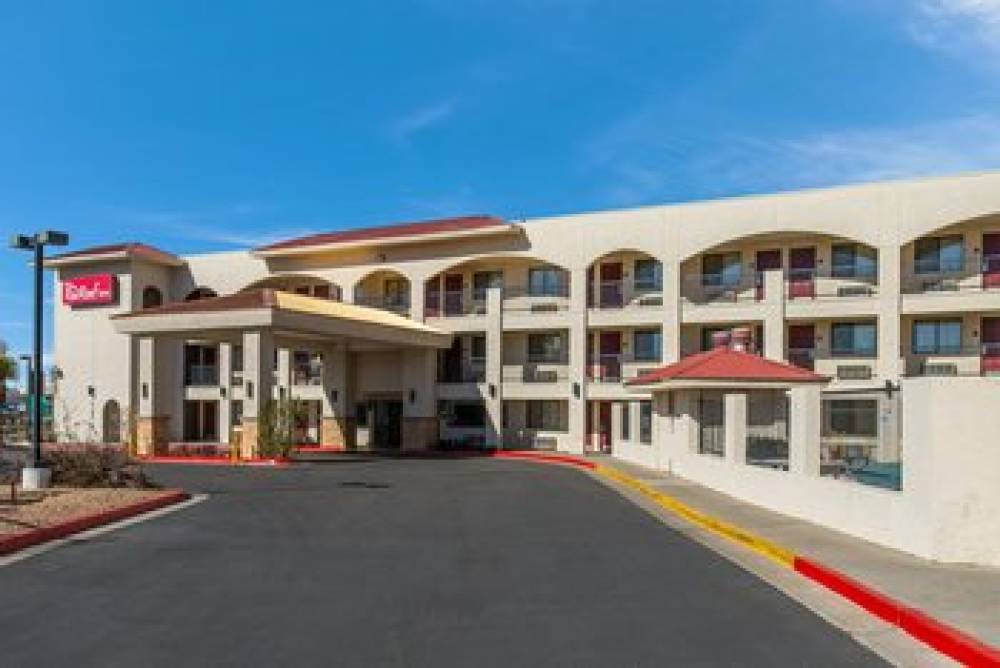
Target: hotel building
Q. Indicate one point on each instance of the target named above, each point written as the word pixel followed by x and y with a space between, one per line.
pixel 483 332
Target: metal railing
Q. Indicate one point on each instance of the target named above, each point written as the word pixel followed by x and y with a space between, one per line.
pixel 386 303
pixel 456 303
pixel 611 368
pixel 201 375
pixel 531 373
pixel 466 374
pixel 945 361
pixel 620 293
pixel 533 299
pixel 975 275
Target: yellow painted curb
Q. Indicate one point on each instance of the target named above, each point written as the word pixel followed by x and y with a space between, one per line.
pixel 772 551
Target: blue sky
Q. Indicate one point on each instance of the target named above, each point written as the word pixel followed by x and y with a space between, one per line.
pixel 203 126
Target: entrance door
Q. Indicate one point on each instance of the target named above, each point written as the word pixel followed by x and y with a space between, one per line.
pixel 387 427
pixel 767 260
pixel 802 273
pixel 991 260
pixel 802 345
pixel 611 349
pixel 611 285
pixel 990 328
pixel 201 421
pixel 453 294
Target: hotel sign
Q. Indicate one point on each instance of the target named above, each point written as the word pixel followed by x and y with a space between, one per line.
pixel 89 290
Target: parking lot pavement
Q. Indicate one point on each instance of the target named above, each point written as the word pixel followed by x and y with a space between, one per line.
pixel 402 563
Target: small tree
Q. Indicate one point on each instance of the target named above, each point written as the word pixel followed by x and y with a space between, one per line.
pixel 276 427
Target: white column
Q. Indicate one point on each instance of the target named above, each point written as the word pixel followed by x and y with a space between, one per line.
pixel 804 430
pixel 225 384
pixel 735 420
pixel 334 381
pixel 147 377
pixel 417 296
pixel 258 375
pixel 774 314
pixel 494 367
pixel 284 378
pixel 889 285
pixel 577 358
pixel 672 307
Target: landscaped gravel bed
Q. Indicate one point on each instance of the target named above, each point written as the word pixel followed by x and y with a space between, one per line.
pixel 58 504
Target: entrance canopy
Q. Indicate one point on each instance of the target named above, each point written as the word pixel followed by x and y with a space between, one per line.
pixel 360 327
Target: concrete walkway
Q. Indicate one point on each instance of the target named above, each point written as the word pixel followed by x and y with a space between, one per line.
pixel 967 597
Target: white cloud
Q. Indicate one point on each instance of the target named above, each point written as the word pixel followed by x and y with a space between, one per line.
pixel 957 25
pixel 404 128
pixel 636 173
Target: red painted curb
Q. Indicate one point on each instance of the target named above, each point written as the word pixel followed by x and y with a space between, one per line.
pixel 307 449
pixel 20 541
pixel 944 638
pixel 542 457
pixel 212 461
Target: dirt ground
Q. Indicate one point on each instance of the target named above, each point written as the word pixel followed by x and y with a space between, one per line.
pixel 51 506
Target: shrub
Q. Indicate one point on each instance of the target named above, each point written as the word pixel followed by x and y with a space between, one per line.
pixel 276 427
pixel 93 466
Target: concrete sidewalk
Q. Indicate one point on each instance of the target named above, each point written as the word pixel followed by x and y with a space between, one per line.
pixel 967 597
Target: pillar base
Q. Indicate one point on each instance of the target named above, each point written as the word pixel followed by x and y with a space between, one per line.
pixel 337 432
pixel 36 477
pixel 151 435
pixel 248 439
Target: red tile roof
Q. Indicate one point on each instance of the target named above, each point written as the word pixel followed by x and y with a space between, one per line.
pixel 246 300
pixel 131 249
pixel 728 364
pixel 438 226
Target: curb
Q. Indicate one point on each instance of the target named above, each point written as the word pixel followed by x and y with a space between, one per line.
pixel 25 539
pixel 938 635
pixel 212 461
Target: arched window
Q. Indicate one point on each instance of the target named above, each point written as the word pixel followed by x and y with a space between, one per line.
pixel 151 297
pixel 200 293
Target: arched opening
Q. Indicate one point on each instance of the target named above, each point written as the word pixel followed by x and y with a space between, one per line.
pixel 200 293
pixel 301 284
pixel 385 289
pixel 625 278
pixel 527 282
pixel 151 297
pixel 111 422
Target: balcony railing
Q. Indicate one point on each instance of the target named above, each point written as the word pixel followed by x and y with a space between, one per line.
pixel 456 303
pixel 201 375
pixel 976 275
pixel 841 364
pixel 614 368
pixel 536 299
pixel 836 283
pixel 614 294
pixel 386 303
pixel 468 373
pixel 533 373
pixel 981 360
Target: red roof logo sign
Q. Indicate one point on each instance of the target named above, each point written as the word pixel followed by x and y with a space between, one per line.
pixel 91 290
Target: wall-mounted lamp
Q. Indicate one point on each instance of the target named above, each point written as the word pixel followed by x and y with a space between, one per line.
pixel 145 390
pixel 222 391
pixel 334 394
pixel 91 391
pixel 249 389
pixel 493 391
pixel 413 396
pixel 576 390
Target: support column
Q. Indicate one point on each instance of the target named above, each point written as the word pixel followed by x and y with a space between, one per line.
pixel 805 425
pixel 336 428
pixel 417 296
pixel 577 359
pixel 494 368
pixel 774 315
pixel 225 391
pixel 420 421
pixel 284 374
pixel 889 351
pixel 258 381
pixel 151 422
pixel 735 420
pixel 670 335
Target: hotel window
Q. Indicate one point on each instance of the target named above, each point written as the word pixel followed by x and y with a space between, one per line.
pixel 934 255
pixel 937 337
pixel 851 417
pixel 201 364
pixel 721 269
pixel 397 292
pixel 545 415
pixel 152 297
pixel 307 368
pixel 482 281
pixel 546 347
pixel 856 339
pixel 477 349
pixel 854 261
pixel 646 422
pixel 545 281
pixel 464 413
pixel 646 345
pixel 648 275
pixel 626 416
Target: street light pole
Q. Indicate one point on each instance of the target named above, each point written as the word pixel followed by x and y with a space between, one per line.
pixel 36 475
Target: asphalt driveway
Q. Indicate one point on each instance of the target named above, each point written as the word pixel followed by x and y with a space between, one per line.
pixel 401 563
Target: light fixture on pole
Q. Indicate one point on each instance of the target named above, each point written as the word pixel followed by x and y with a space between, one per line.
pixel 37 475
